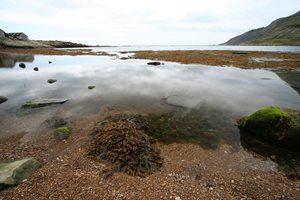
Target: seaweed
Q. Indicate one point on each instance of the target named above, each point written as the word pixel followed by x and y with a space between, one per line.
pixel 126 147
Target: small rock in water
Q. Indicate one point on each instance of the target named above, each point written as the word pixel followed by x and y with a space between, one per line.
pixel 37 103
pixel 22 65
pixel 51 81
pixel 61 133
pixel 2 99
pixel 154 63
pixel 36 69
pixel 55 122
pixel 49 62
pixel 91 87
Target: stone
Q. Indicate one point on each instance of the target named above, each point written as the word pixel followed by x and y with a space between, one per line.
pixel 12 173
pixel 22 65
pixel 154 63
pixel 37 103
pixel 91 87
pixel 55 122
pixel 61 133
pixel 49 62
pixel 273 125
pixel 50 81
pixel 2 99
pixel 36 69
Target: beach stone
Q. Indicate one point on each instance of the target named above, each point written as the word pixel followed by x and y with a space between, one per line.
pixel 2 99
pixel 22 65
pixel 154 63
pixel 36 69
pixel 12 173
pixel 51 81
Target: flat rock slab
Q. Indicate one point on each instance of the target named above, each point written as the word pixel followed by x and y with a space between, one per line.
pixel 12 173
pixel 36 103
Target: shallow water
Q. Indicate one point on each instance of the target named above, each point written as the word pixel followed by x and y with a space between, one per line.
pixel 132 85
pixel 182 103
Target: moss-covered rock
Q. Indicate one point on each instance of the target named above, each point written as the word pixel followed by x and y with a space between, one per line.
pixel 273 125
pixel 61 133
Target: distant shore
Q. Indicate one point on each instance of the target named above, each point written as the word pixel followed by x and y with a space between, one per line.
pixel 241 59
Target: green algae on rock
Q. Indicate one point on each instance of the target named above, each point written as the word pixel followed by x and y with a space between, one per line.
pixel 273 125
pixel 61 133
pixel 126 147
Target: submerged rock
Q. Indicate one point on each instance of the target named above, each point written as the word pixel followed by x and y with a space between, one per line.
pixel 91 87
pixel 2 99
pixel 11 173
pixel 22 65
pixel 49 62
pixel 125 146
pixel 154 63
pixel 274 125
pixel 36 69
pixel 61 133
pixel 51 81
pixel 37 103
pixel 55 122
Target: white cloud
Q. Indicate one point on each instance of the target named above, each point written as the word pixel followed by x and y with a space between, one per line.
pixel 143 22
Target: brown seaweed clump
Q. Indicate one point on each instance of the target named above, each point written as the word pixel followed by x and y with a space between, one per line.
pixel 126 147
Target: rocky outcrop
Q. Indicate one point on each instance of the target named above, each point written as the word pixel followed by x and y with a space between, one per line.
pixel 12 173
pixel 17 36
pixel 21 40
pixel 2 33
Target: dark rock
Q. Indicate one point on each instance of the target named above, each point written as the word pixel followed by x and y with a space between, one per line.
pixel 154 63
pixel 22 65
pixel 51 81
pixel 49 62
pixel 55 122
pixel 36 69
pixel 61 133
pixel 37 103
pixel 91 87
pixel 2 99
pixel 12 173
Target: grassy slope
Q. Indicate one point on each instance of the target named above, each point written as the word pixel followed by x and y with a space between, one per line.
pixel 283 31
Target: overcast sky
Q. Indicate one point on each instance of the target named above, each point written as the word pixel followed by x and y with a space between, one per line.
pixel 150 22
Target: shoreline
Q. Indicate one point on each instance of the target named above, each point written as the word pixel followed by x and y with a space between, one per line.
pixel 240 59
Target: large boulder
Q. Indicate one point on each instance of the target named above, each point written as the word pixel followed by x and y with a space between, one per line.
pixel 11 173
pixel 273 125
